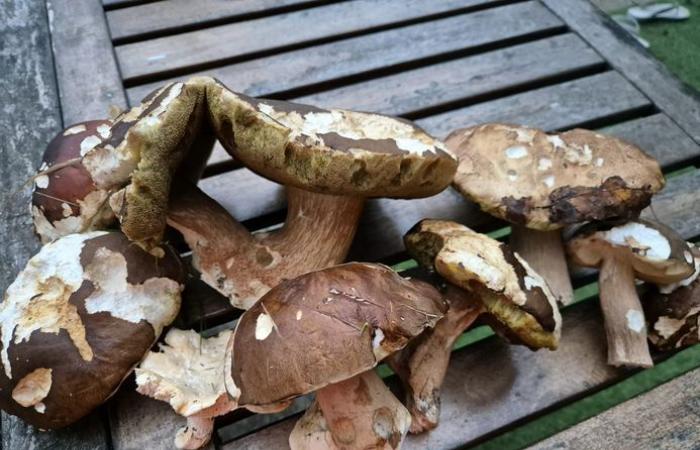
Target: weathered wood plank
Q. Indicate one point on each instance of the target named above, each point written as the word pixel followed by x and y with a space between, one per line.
pixel 553 107
pixel 461 79
pixel 88 78
pixel 220 43
pixel 120 3
pixel 679 101
pixel 163 17
pixel 30 117
pixel 381 50
pixel 667 417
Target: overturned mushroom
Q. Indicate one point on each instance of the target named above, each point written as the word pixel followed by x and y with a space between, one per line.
pixel 77 319
pixel 636 249
pixel 483 276
pixel 329 161
pixel 673 311
pixel 543 182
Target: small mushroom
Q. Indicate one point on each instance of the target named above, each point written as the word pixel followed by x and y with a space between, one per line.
pixel 543 182
pixel 673 311
pixel 329 162
pixel 65 199
pixel 75 322
pixel 636 249
pixel 483 278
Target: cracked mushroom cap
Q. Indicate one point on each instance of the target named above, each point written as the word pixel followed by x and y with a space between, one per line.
pixel 331 151
pixel 673 311
pixel 547 181
pixel 76 320
pixel 66 200
pixel 516 298
pixel 657 253
pixel 325 327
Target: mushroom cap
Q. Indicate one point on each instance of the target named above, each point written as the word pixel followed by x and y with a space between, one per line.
pixel 512 292
pixel 325 327
pixel 66 200
pixel 673 311
pixel 547 181
pixel 77 319
pixel 656 252
pixel 331 151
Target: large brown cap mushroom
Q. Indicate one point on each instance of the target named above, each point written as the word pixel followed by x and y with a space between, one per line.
pixel 330 151
pixel 636 249
pixel 77 319
pixel 673 311
pixel 514 294
pixel 65 199
pixel 541 182
pixel 546 181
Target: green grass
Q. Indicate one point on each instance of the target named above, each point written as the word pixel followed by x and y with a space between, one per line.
pixel 677 44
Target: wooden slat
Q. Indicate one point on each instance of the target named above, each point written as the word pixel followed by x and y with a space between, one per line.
pixel 350 57
pixel 679 101
pixel 31 116
pixel 168 16
pixel 121 3
pixel 235 40
pixel 88 79
pixel 554 107
pixel 667 417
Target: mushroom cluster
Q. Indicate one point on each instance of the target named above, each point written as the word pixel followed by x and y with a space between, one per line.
pixel 89 307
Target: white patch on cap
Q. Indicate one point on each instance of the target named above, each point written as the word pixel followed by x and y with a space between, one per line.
pixel 157 300
pixel 548 180
pixel 524 135
pixel 66 210
pixel 263 326
pixel 635 320
pixel 89 143
pixel 104 130
pixel 643 240
pixel 377 348
pixel 599 162
pixel 33 388
pixel 42 290
pixel 516 152
pixel 299 314
pixel 556 141
pixel 544 164
pixel 42 181
pixel 75 130
pixel 512 175
pixel 668 288
pixel 688 256
pixel 40 408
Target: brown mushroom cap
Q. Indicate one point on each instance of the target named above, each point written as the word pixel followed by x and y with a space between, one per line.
pixel 547 181
pixel 673 311
pixel 66 200
pixel 331 151
pixel 656 252
pixel 512 293
pixel 77 320
pixel 325 327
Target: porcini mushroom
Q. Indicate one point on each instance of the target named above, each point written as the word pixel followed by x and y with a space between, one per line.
pixel 543 182
pixel 323 331
pixel 77 319
pixel 673 311
pixel 329 161
pixel 482 277
pixel 636 249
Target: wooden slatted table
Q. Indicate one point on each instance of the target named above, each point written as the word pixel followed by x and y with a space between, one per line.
pixel 554 64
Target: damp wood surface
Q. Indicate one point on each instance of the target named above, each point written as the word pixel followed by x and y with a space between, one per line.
pixel 554 64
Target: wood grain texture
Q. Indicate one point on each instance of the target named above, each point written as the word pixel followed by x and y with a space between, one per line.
pixel 360 55
pixel 475 401
pixel 461 79
pixel 30 117
pixel 223 42
pixel 553 107
pixel 168 16
pixel 88 78
pixel 679 101
pixel 667 417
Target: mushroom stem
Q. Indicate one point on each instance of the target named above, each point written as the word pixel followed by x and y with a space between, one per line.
pixel 358 413
pixel 544 251
pixel 243 266
pixel 422 367
pixel 196 434
pixel 624 320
